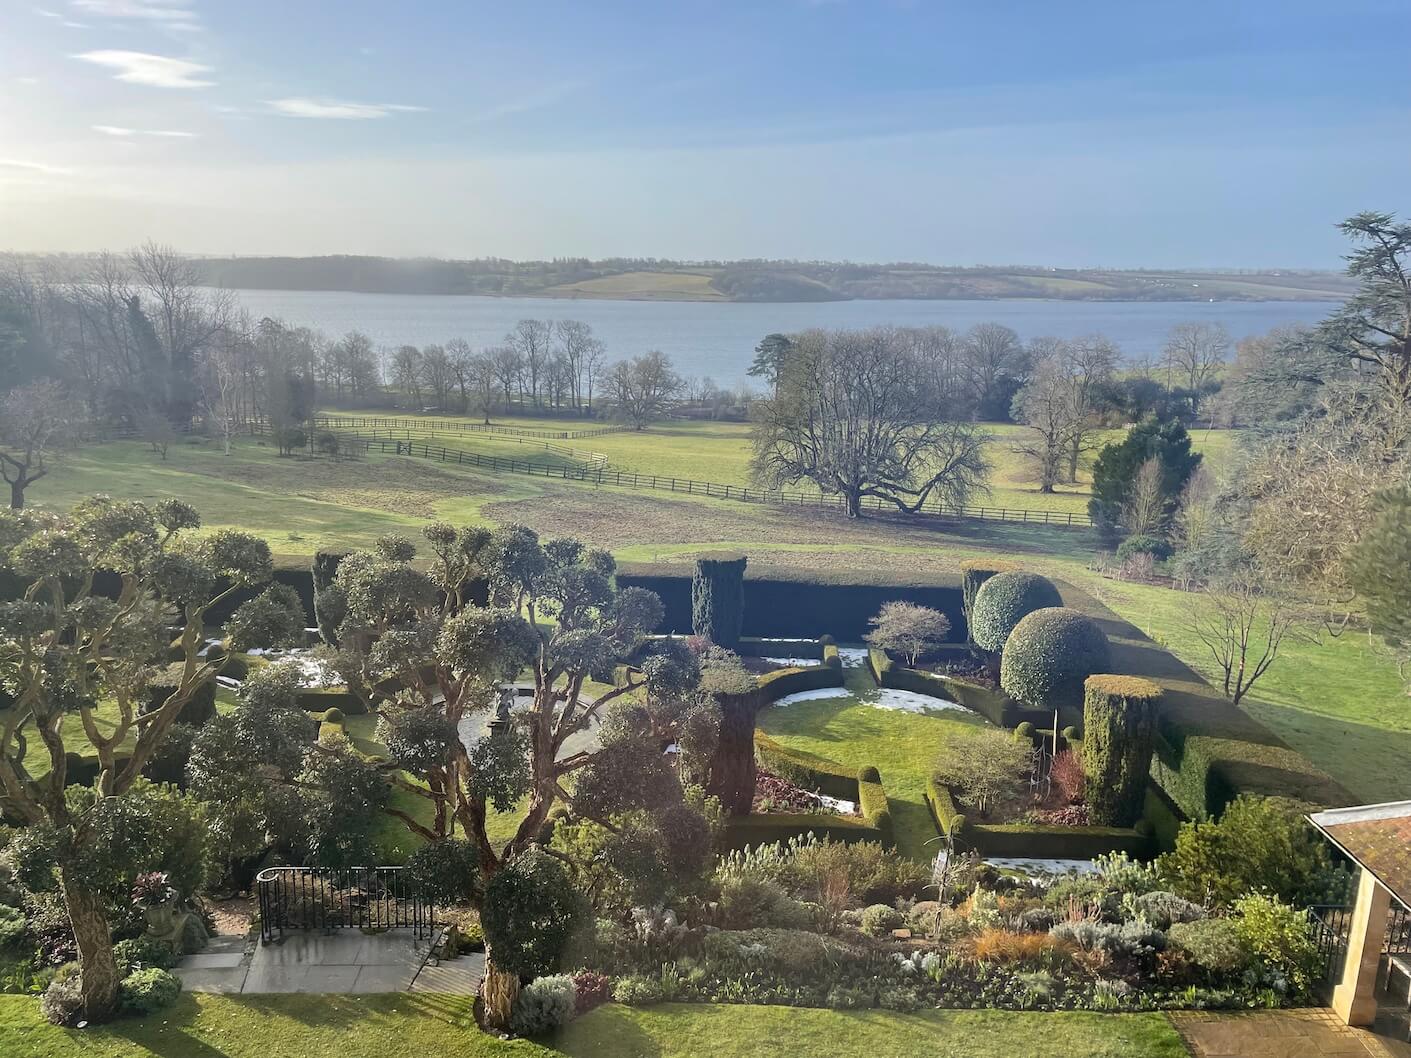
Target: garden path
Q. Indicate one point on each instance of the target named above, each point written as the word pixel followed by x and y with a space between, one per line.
pixel 1311 1033
pixel 346 962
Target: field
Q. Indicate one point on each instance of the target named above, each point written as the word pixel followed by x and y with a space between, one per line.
pixel 642 286
pixel 416 1025
pixel 1339 701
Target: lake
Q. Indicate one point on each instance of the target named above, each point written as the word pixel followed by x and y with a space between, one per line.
pixel 718 338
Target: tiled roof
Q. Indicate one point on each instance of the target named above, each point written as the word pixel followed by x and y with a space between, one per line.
pixel 1376 836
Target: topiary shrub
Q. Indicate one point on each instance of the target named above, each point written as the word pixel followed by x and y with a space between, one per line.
pixel 330 601
pixel 1003 601
pixel 148 991
pixel 445 872
pixel 1119 725
pixel 530 910
pixel 1024 730
pixel 273 618
pixel 718 599
pixel 1050 655
pixel 1144 544
pixel 974 573
pixel 334 716
pixel 543 1006
pixel 879 919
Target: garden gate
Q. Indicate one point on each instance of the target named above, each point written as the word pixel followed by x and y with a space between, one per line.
pixel 329 898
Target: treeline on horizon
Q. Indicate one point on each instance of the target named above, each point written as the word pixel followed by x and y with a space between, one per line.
pixel 746 280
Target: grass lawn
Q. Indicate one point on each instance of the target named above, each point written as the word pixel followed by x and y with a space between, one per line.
pixel 902 746
pixel 416 1025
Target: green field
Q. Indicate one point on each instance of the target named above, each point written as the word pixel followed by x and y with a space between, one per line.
pixel 418 1025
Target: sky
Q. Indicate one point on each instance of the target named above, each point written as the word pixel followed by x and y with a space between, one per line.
pixel 1091 133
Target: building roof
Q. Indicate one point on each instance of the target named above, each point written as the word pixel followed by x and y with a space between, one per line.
pixel 1376 836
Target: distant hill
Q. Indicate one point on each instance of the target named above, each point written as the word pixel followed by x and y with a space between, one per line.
pixel 650 279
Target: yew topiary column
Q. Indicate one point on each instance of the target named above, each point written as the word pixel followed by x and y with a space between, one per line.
pixel 329 603
pixel 1119 724
pixel 718 599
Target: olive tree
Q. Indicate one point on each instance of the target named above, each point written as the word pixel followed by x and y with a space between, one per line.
pixel 65 648
pixel 428 663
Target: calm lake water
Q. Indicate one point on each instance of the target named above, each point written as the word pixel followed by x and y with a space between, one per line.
pixel 718 339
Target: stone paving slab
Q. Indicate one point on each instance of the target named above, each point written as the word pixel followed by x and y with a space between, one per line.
pixel 347 961
pixel 1311 1033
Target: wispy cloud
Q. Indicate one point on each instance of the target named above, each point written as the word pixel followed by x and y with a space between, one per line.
pixel 119 130
pixel 172 14
pixel 158 71
pixel 337 109
pixel 17 165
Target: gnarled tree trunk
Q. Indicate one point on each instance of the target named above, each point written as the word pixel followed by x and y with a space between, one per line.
pixel 497 995
pixel 95 950
pixel 732 768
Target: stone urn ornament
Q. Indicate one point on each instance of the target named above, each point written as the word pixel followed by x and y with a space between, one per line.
pixel 153 893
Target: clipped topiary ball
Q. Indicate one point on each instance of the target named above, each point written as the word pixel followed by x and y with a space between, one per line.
pixel 333 716
pixel 1003 601
pixel 1050 653
pixel 1025 730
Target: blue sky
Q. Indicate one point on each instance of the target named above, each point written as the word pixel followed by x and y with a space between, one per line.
pixel 1086 133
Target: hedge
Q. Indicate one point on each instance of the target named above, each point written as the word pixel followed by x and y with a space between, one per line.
pixel 995 706
pixel 199 708
pixel 782 682
pixel 1038 842
pixel 831 657
pixel 806 769
pixel 783 601
pixel 760 647
pixel 873 804
pixel 756 830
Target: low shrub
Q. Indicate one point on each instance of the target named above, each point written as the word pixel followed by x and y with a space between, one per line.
pixel 273 618
pixel 12 925
pixel 148 991
pixel 62 1001
pixel 869 872
pixel 637 990
pixel 879 919
pixel 142 953
pixel 544 1005
pixel 1212 944
pixel 1144 544
pixel 751 903
pixel 590 990
pixel 1163 909
pixel 334 716
pixel 1280 937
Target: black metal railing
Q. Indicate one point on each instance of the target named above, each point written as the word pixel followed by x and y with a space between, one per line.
pixel 327 898
pixel 1398 935
pixel 1330 923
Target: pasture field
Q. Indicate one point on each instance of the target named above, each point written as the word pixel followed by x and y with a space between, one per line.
pixel 1340 702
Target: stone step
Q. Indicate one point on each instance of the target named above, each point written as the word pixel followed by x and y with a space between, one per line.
pixel 226 944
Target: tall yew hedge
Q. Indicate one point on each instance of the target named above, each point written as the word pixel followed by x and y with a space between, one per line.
pixel 718 599
pixel 1119 726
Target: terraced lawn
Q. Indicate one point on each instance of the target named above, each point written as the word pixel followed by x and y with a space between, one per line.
pixel 901 745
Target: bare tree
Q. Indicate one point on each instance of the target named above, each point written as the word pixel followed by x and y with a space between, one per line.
pixel 1194 353
pixel 1046 406
pixel 579 348
pixel 509 369
pixel 1089 363
pixel 1145 511
pixel 995 366
pixel 460 355
pixel 643 387
pixel 438 373
pixel 222 377
pixel 484 380
pixel 1243 621
pixel 406 371
pixel 856 416
pixel 32 417
pixel 533 340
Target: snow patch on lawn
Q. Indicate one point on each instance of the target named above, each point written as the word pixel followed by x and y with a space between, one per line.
pixel 813 696
pixel 852 657
pixel 793 663
pixel 911 702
